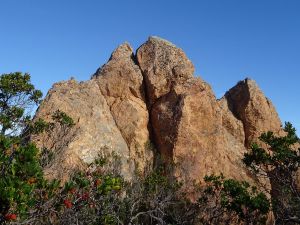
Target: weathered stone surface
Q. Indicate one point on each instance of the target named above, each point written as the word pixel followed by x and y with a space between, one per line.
pixel 95 133
pixel 155 92
pixel 233 125
pixel 248 103
pixel 186 117
pixel 163 65
pixel 121 83
pixel 202 145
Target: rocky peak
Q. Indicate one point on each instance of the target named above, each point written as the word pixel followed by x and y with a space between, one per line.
pixel 163 65
pixel 123 51
pixel 190 128
pixel 248 104
pixel 120 76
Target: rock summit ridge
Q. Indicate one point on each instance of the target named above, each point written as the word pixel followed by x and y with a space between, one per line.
pixel 152 96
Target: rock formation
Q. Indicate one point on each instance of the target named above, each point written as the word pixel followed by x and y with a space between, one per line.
pixel 153 96
pixel 249 105
pixel 95 134
pixel 121 83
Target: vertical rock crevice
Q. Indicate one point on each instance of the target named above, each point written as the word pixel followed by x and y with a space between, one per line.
pixel 237 99
pixel 121 83
pixel 152 144
pixel 163 66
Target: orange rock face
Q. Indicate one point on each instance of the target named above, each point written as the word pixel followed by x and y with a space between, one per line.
pixel 121 83
pixel 248 104
pixel 187 119
pixel 153 96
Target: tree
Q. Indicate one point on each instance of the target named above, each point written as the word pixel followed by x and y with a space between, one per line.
pixel 22 185
pixel 17 96
pixel 19 167
pixel 228 201
pixel 279 162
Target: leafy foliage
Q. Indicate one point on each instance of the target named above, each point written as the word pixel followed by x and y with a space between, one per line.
pixel 279 161
pixel 22 186
pixel 233 202
pixel 17 95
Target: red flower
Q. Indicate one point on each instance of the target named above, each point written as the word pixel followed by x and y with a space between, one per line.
pixel 10 217
pixel 68 204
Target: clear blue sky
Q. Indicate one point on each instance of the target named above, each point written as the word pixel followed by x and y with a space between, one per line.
pixel 226 40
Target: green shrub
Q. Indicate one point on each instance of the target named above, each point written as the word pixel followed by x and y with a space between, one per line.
pixel 230 201
pixel 22 185
pixel 279 161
